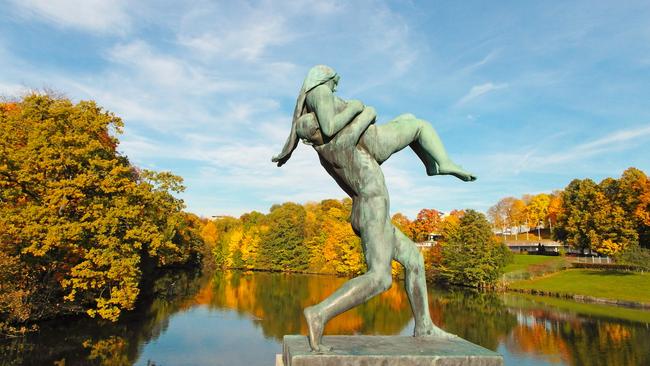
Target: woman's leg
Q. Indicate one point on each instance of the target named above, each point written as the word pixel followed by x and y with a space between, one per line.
pixel 384 140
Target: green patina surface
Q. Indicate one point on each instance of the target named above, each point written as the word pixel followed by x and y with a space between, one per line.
pixel 351 147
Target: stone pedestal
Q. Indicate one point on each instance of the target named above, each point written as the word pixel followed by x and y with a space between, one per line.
pixel 387 351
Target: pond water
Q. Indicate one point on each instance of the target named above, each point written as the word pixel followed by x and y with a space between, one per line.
pixel 234 318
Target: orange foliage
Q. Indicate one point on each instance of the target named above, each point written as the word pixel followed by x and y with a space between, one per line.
pixel 9 107
pixel 536 339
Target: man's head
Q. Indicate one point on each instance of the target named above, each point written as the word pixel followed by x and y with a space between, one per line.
pixel 308 130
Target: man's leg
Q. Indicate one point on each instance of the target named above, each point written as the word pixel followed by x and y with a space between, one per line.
pixel 410 257
pixel 376 237
pixel 384 140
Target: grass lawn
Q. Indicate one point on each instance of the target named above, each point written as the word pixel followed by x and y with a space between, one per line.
pixel 629 286
pixel 522 261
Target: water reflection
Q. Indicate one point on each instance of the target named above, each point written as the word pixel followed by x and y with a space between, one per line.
pixel 566 332
pixel 235 318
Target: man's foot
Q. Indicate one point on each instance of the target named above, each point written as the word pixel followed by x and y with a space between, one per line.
pixel 451 168
pixel 431 330
pixel 315 324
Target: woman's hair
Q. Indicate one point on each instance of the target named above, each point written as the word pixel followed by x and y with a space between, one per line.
pixel 317 75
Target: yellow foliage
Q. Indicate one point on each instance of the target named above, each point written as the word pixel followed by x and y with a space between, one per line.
pixel 608 247
pixel 76 215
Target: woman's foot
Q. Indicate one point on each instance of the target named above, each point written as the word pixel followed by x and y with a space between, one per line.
pixel 451 168
pixel 316 325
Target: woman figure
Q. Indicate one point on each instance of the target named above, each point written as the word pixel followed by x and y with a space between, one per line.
pixel 351 148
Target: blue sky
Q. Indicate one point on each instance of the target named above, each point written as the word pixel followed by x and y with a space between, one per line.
pixel 526 94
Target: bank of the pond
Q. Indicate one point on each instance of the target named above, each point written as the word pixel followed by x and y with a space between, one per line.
pixel 631 289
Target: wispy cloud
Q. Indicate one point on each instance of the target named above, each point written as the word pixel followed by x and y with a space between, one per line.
pixel 547 156
pixel 245 39
pixel 616 140
pixel 484 61
pixel 479 90
pixel 93 15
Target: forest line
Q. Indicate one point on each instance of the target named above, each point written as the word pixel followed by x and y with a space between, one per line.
pixel 82 229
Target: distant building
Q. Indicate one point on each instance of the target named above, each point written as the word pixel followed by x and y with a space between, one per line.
pixel 540 246
pixel 431 240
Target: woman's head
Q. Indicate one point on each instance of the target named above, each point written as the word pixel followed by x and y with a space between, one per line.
pixel 320 74
pixel 317 75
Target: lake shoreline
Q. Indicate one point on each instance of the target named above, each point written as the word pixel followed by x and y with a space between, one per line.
pixel 583 298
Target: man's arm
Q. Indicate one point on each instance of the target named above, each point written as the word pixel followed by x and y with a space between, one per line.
pixel 321 101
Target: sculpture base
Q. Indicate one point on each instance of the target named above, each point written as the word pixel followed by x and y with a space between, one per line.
pixel 387 351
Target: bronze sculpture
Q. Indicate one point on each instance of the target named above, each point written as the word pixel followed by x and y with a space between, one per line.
pixel 351 147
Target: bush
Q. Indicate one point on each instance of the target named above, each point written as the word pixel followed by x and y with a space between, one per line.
pixel 636 257
pixel 607 266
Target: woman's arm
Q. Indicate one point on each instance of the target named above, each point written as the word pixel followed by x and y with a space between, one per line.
pixel 321 101
pixel 352 133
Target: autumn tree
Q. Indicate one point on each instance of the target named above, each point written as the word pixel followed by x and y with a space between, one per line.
pixel 592 221
pixel 518 215
pixel 537 209
pixel 404 224
pixel 427 222
pixel 505 214
pixel 555 208
pixel 79 225
pixel 228 235
pixel 632 193
pixel 254 225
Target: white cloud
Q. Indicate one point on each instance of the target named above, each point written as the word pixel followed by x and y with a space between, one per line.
pixel 547 156
pixel 246 35
pixel 479 90
pixel 165 70
pixel 12 89
pixel 93 15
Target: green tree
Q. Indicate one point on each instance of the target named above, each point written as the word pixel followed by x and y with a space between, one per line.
pixel 471 254
pixel 282 245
